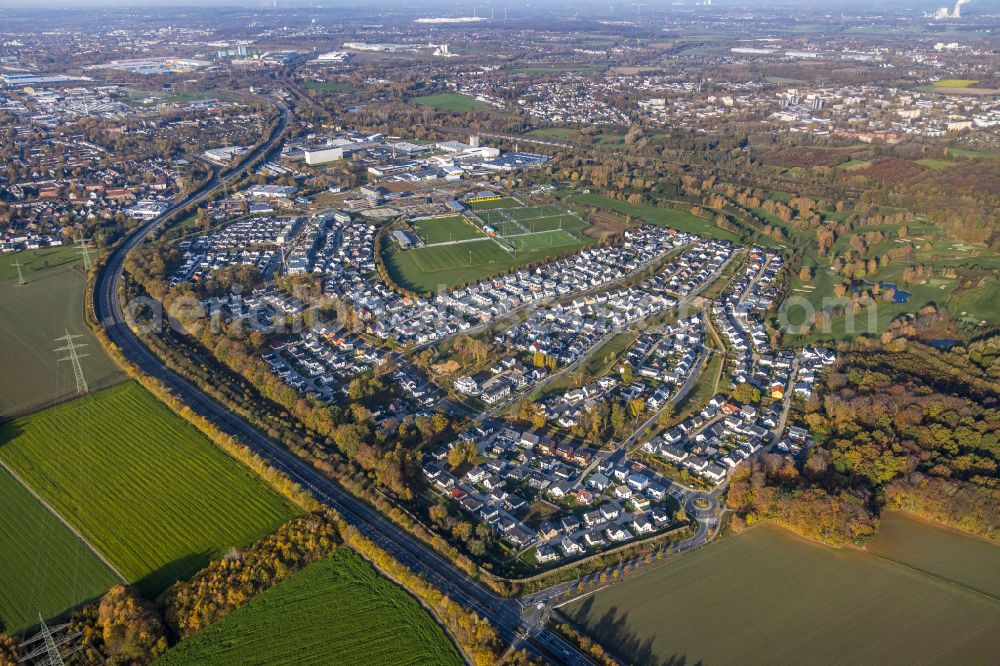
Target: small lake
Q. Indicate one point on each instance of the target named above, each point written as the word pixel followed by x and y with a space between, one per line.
pixel 899 296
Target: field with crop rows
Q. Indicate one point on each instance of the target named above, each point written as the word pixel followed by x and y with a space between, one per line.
pixel 32 316
pixel 146 488
pixel 45 569
pixel 965 559
pixel 336 611
pixel 766 596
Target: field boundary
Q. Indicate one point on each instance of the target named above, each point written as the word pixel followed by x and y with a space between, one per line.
pixel 431 611
pixel 931 574
pixel 75 532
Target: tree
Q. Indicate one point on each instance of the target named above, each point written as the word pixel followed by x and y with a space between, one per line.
pixel 463 451
pixel 666 414
pixel 462 531
pixel 132 628
pixel 349 438
pixel 805 274
pixel 746 394
pixel 628 375
pixel 617 418
pixel 438 512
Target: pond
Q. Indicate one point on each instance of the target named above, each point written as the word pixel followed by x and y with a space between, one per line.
pixel 899 296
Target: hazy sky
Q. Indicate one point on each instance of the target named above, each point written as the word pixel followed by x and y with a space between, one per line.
pixel 454 8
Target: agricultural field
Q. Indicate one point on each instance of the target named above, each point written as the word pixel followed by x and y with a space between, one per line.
pixel 144 487
pixel 945 553
pixel 529 234
pixel 446 229
pixel 453 102
pixel 335 611
pixel 46 569
pixel 674 218
pixel 32 316
pixel 721 603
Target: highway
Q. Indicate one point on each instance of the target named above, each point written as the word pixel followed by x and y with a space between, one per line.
pixel 503 614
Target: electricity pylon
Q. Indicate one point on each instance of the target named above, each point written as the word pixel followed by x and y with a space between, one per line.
pixel 74 358
pixel 81 243
pixel 43 649
pixel 20 275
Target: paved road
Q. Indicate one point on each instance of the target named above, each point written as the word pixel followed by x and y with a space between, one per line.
pixel 503 614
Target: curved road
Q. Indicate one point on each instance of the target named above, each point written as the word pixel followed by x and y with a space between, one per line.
pixel 503 614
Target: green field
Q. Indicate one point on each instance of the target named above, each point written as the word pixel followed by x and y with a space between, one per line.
pixel 488 204
pixel 766 596
pixel 937 165
pixel 32 316
pixel 425 269
pixel 663 217
pixel 336 611
pixel 944 553
pixel 974 304
pixel 530 234
pixel 45 568
pixel 851 165
pixel 530 219
pixel 974 154
pixel 446 229
pixel 146 488
pixel 453 102
pixel 544 240
pixel 954 83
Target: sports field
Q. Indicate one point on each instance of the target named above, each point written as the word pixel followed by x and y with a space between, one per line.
pixel 446 229
pixel 525 234
pixel 45 568
pixel 544 240
pixel 453 102
pixel 335 611
pixel 32 316
pixel 532 219
pixel 766 596
pixel 146 488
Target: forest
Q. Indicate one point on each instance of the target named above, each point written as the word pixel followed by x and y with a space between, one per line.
pixel 913 430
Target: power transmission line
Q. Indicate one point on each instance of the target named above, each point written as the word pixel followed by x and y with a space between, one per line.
pixel 81 243
pixel 46 644
pixel 74 358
